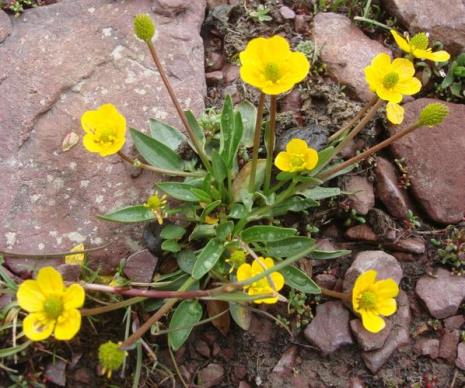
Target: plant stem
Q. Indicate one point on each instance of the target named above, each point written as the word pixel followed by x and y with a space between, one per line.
pixel 111 307
pixel 256 141
pixel 177 105
pixel 57 254
pixel 270 144
pixel 328 173
pixel 163 171
pixel 335 294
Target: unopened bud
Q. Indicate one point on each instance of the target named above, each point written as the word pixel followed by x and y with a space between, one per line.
pixel 433 114
pixel 144 27
pixel 110 357
pixel 420 41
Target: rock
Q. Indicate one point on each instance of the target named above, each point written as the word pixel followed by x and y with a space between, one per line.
pixel 398 336
pixel 140 266
pixel 25 267
pixel 369 341
pixel 84 376
pixel 460 361
pixel 356 382
pixel 5 26
pixel 409 245
pixel 362 196
pixel 361 233
pixel 427 347
pixel 169 8
pixel 346 50
pixel 404 257
pixel 301 24
pixel 286 12
pixel 448 346
pixel 261 329
pixel 315 136
pixel 326 280
pixel 433 157
pixel 383 225
pixel 243 384
pixel 233 91
pixel 211 375
pixel 454 323
pixel 70 272
pixel 230 73
pixel 444 21
pixel 202 348
pixel 291 102
pixel 76 55
pixel 214 77
pixel 286 362
pixel 56 373
pixel 214 61
pixel 329 330
pixel 442 294
pixel 385 264
pixel 388 190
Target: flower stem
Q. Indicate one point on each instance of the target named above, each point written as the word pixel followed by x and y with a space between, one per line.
pixel 329 173
pixel 163 171
pixel 345 297
pixel 256 142
pixel 177 105
pixel 111 307
pixel 270 145
pixel 57 254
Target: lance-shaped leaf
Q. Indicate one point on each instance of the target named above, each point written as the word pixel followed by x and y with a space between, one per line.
pixel 207 258
pixel 299 280
pixel 289 247
pixel 166 134
pixel 186 315
pixel 137 213
pixel 231 132
pixel 266 233
pixel 179 190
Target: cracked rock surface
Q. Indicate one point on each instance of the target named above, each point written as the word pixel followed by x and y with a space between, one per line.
pixel 57 62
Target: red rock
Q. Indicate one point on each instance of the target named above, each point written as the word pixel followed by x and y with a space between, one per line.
pixel 356 382
pixel 286 12
pixel 230 73
pixel 140 266
pixel 409 245
pixel 427 347
pixel 404 257
pixel 214 61
pixel 361 195
pixel 361 233
pixel 214 77
pixel 346 50
pixel 454 323
pixel 460 361
pixel 5 26
pixel 286 362
pixel 369 341
pixel 202 348
pixel 448 346
pixel 243 384
pixel 445 21
pixel 433 157
pixel 70 272
pixel 326 280
pixel 72 68
pixel 56 373
pixel 388 190
pixel 301 24
pixel 211 375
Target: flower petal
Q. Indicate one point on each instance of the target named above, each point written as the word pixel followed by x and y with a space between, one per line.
pixel 296 146
pixel 67 325
pixel 244 272
pixel 298 66
pixel 386 307
pixel 278 280
pixel 73 297
pixel 394 113
pixel 372 322
pixel 282 161
pixel 403 67
pixel 438 56
pixel 385 289
pixel 408 87
pixel 311 159
pixel 30 296
pixel 392 95
pixel 50 281
pixel 362 283
pixel 401 42
pixel 37 327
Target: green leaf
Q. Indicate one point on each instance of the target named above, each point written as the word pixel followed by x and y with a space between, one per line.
pixel 186 315
pixel 186 260
pixel 203 231
pixel 178 190
pixel 240 186
pixel 170 246
pixel 172 232
pixel 323 156
pixel 166 134
pixel 156 153
pixel 318 254
pixel 224 230
pixel 289 247
pixel 342 172
pixel 266 233
pixel 293 204
pixel 196 128
pixel 249 116
pixel 208 209
pixel 319 192
pixel 137 213
pixel 240 315
pixel 231 133
pixel 219 169
pixel 207 258
pixel 201 195
pixel 299 280
pixel 238 211
pixel 7 352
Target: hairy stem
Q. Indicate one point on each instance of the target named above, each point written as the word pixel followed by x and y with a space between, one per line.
pixel 256 142
pixel 270 145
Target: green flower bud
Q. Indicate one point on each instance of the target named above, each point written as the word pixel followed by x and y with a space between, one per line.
pixel 420 41
pixel 433 114
pixel 144 27
pixel 110 357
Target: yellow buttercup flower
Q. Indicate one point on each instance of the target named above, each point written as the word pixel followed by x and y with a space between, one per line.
pixel 394 113
pixel 52 307
pixel 157 205
pixel 297 157
pixel 373 299
pixel 105 130
pixel 269 65
pixel 270 284
pixel 391 81
pixel 418 47
pixel 77 259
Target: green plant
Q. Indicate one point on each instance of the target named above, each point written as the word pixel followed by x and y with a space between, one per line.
pixel 451 249
pixel 454 82
pixel 412 221
pixel 261 14
pixel 18 6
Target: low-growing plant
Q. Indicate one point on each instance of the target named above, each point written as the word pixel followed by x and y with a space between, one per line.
pixel 454 81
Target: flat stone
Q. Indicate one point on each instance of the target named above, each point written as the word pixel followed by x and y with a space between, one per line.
pixel 56 373
pixel 442 294
pixel 460 361
pixel 140 266
pixel 361 233
pixel 444 20
pixel 211 375
pixel 70 272
pixel 448 346
pixel 454 323
pixel 433 157
pixel 214 77
pixel 5 26
pixel 362 196
pixel 329 330
pixel 326 280
pixel 286 12
pixel 346 50
pixel 58 62
pixel 388 189
pixel 427 347
pixel 398 336
pixel 202 348
pixel 382 224
pixel 286 362
pixel 386 265
pixel 369 341
pixel 413 245
pixel 314 135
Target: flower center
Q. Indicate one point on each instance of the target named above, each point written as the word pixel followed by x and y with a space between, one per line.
pixel 390 80
pixel 297 160
pixel 53 307
pixel 154 202
pixel 272 72
pixel 367 300
pixel 420 41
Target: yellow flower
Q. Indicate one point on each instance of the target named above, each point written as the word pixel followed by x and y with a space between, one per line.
pixel 418 47
pixel 270 284
pixel 110 357
pixel 210 220
pixel 105 130
pixel 297 157
pixel 77 259
pixel 391 81
pixel 371 299
pixel 52 307
pixel 394 113
pixel 269 65
pixel 157 205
